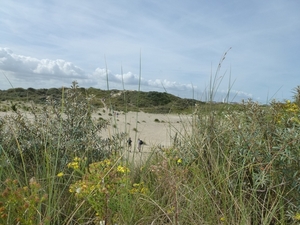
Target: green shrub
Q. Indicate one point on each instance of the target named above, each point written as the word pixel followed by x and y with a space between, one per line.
pixel 42 145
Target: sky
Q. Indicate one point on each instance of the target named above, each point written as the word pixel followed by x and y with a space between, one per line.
pixel 235 49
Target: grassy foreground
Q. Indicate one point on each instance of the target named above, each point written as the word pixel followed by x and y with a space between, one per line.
pixel 239 165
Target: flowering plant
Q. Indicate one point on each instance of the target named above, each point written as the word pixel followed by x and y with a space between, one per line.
pixel 106 185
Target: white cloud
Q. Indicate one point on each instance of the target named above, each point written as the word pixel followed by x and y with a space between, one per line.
pixel 172 85
pixel 44 72
pixel 58 67
pixel 132 79
pixel 23 66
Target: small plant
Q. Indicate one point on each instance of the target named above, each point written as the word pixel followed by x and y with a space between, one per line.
pixel 26 201
pixel 156 120
pixel 107 188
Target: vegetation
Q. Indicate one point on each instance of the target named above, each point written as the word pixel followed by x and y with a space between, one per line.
pixel 151 102
pixel 238 165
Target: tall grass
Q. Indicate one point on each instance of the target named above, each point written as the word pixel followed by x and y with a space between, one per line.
pixel 232 164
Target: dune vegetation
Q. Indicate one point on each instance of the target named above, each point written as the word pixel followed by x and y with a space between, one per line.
pixel 236 164
pixel 120 100
pixel 239 165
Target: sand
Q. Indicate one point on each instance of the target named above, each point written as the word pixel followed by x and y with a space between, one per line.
pixel 153 129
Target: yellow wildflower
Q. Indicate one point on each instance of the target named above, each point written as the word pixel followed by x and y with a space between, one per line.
pixel 60 174
pixel 136 185
pixel 144 190
pixel 121 169
pixel 76 159
pixel 107 162
pixel 179 161
pixel 73 165
pixel 223 219
pixel 297 216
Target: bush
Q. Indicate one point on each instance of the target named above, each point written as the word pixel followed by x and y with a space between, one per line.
pixel 42 145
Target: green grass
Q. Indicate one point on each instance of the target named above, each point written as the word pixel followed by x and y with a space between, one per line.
pixel 232 164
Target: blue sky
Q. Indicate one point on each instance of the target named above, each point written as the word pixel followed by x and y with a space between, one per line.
pixel 51 43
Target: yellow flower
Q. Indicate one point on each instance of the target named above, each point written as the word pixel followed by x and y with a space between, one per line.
pixel 107 162
pixel 136 185
pixel 144 190
pixel 73 165
pixel 179 161
pixel 121 169
pixel 223 219
pixel 297 216
pixel 60 174
pixel 76 159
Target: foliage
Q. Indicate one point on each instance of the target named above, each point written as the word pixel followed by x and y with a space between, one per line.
pixel 107 188
pixel 23 200
pixel 235 164
pixel 41 143
pixel 250 159
pixel 152 102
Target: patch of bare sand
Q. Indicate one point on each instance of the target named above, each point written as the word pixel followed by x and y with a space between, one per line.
pixel 153 129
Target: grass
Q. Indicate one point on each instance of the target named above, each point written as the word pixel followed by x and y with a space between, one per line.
pixel 230 165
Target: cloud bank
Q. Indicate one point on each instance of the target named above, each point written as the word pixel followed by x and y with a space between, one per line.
pixel 25 71
pixel 25 66
pixel 40 71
